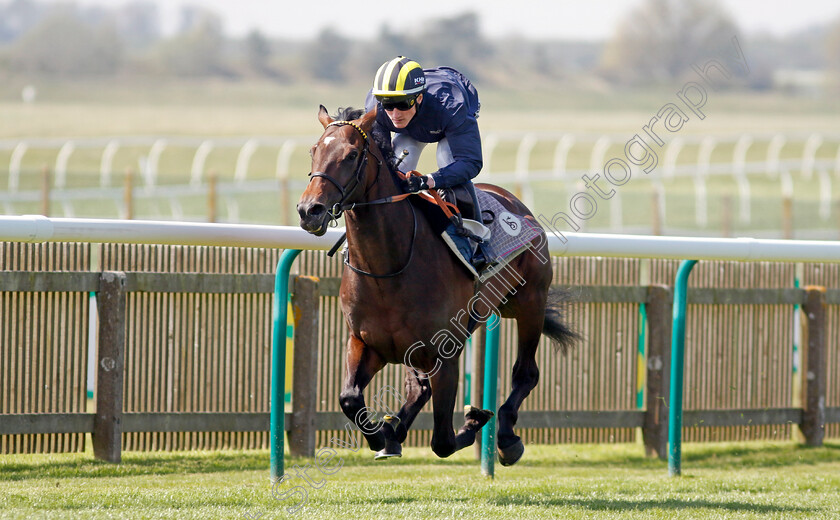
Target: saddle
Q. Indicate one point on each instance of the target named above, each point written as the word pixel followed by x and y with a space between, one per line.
pixel 460 196
pixel 505 235
pixel 502 235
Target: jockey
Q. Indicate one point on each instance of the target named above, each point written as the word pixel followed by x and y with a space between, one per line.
pixel 432 106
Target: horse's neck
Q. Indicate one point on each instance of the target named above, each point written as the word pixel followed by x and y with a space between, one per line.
pixel 379 236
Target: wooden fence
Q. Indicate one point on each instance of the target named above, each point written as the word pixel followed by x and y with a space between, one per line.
pixel 183 356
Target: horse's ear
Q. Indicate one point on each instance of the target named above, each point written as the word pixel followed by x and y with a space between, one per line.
pixel 324 116
pixel 367 120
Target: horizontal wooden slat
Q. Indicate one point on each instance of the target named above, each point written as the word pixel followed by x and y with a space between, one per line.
pixel 38 281
pixel 638 294
pixel 746 296
pixel 581 419
pixel 580 293
pixel 13 424
pixel 329 286
pixel 197 422
pixel 337 421
pixel 21 281
pixel 742 417
pixel 199 283
pixel 607 293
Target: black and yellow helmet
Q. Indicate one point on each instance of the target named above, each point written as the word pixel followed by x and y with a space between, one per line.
pixel 399 78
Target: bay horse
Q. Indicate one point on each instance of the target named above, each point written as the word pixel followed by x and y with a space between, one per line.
pixel 403 292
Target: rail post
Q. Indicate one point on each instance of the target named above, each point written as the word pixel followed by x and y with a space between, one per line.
pixel 128 193
pixel 278 361
pixel 659 312
pixel 107 423
pixel 677 363
pixel 212 187
pixel 478 340
pixel 45 190
pixel 305 304
pixel 491 372
pixel 814 385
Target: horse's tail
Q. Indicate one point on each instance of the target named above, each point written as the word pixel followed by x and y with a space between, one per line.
pixel 555 326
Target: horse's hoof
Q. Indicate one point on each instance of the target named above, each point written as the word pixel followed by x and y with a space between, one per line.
pixel 511 455
pixel 477 416
pixel 389 452
pixel 392 446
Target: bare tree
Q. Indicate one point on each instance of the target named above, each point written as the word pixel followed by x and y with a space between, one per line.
pixel 325 58
pixel 456 42
pixel 138 23
pixel 17 17
pixel 198 49
pixel 832 46
pixel 661 39
pixel 257 52
pixel 63 44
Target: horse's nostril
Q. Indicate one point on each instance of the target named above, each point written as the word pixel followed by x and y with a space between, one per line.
pixel 316 210
pixel 311 210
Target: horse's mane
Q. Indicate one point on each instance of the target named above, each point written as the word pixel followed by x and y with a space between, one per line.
pixel 348 114
pixel 381 136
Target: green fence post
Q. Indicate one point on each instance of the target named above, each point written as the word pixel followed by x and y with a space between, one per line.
pixel 278 361
pixel 677 358
pixel 641 365
pixel 491 371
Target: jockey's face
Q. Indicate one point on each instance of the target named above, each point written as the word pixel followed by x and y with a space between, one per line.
pixel 400 118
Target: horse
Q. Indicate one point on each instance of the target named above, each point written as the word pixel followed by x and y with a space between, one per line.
pixel 404 295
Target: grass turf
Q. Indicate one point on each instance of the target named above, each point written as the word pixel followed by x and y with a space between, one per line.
pixel 744 480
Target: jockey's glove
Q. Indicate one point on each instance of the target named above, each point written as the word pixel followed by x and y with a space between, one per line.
pixel 417 183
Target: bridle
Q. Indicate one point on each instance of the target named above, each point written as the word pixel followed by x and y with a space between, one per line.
pixel 347 190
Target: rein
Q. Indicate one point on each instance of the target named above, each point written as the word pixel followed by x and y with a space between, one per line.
pixel 340 207
pixel 346 255
pixel 346 190
pixel 449 209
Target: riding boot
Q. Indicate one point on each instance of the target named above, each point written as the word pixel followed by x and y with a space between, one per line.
pixel 466 231
pixel 483 254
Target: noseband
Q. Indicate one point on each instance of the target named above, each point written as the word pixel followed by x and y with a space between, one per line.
pixel 346 190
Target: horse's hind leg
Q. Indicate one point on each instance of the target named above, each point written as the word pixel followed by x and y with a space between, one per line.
pixel 362 363
pixel 444 389
pixel 526 374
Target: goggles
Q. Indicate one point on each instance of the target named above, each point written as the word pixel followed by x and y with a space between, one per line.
pixel 402 105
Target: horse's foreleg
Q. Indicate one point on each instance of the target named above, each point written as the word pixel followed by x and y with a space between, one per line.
pixel 444 390
pixel 395 428
pixel 525 376
pixel 418 391
pixel 361 364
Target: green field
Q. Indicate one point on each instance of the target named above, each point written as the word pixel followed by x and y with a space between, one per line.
pixel 241 110
pixel 752 480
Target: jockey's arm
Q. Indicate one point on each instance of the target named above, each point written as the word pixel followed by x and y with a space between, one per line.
pixel 465 144
pixel 382 137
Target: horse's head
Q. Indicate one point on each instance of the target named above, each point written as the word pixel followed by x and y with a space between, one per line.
pixel 339 161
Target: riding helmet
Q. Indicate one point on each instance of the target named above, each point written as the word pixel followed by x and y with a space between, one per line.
pixel 399 77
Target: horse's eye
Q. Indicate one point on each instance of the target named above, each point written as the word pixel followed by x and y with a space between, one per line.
pixel 352 155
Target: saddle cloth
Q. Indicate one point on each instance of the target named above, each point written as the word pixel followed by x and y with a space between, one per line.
pixel 510 235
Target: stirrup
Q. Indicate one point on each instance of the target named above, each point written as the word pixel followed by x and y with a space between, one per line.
pixel 478 260
pixel 479 235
